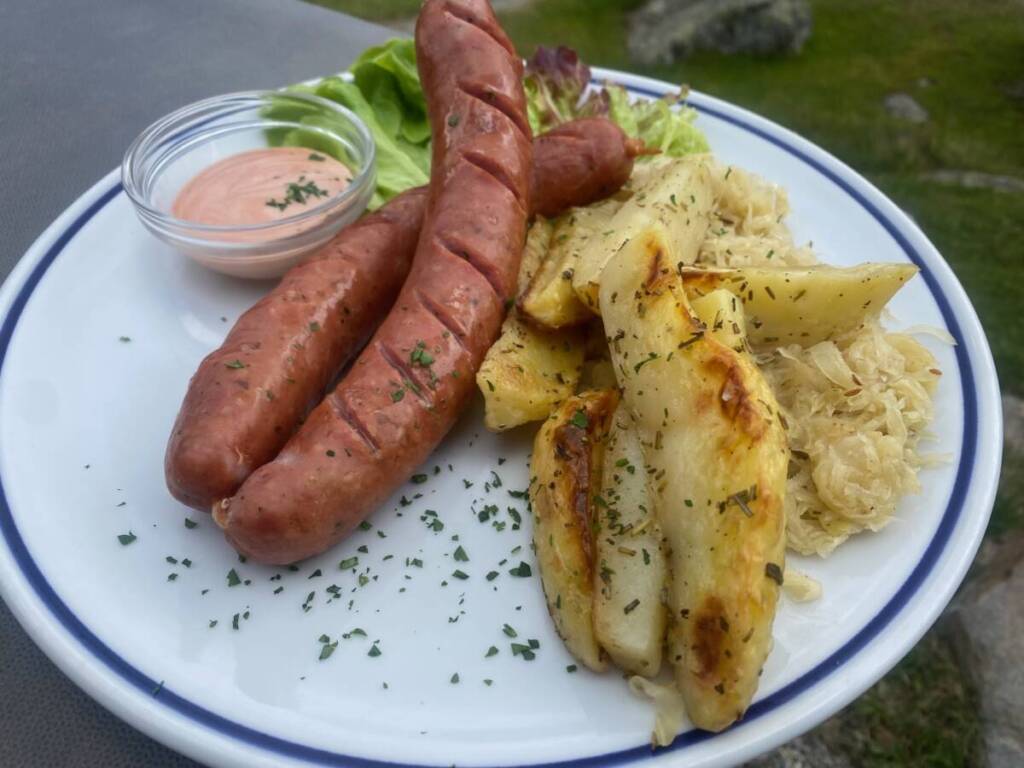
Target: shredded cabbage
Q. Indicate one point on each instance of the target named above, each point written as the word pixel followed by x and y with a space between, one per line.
pixel 856 408
pixel 800 587
pixel 747 227
pixel 669 708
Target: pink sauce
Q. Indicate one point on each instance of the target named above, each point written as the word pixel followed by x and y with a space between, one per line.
pixel 262 186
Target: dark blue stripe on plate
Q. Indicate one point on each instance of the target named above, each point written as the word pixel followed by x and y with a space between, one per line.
pixel 761 708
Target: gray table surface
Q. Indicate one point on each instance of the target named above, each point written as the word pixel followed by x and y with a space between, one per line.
pixel 78 81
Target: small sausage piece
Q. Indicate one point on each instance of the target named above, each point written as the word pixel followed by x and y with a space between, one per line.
pixel 410 384
pixel 235 419
pixel 583 161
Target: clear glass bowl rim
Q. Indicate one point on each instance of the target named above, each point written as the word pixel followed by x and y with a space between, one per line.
pixel 133 178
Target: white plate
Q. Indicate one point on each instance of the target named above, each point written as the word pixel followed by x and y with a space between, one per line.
pixel 83 422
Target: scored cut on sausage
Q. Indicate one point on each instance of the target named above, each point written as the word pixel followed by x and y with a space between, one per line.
pixel 407 388
pixel 249 396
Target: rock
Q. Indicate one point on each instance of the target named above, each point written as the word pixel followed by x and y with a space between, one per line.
pixel 977 180
pixel 903 106
pixel 663 31
pixel 987 626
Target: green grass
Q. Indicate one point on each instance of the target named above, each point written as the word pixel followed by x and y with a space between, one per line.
pixel 923 713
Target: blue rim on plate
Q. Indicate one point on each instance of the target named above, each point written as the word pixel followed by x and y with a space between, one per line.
pixel 293 750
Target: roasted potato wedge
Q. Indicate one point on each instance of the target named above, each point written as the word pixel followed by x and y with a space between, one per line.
pixel 526 372
pixel 549 300
pixel 722 315
pixel 802 305
pixel 629 616
pixel 716 450
pixel 678 197
pixel 565 468
pixel 535 251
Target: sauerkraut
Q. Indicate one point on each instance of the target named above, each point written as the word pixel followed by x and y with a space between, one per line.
pixel 748 225
pixel 855 407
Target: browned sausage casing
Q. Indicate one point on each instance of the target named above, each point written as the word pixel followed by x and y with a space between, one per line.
pixel 409 385
pixel 294 342
pixel 249 395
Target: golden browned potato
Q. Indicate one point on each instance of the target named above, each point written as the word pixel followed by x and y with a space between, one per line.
pixel 565 468
pixel 629 617
pixel 535 251
pixel 802 305
pixel 678 198
pixel 717 454
pixel 722 315
pixel 526 372
pixel 549 300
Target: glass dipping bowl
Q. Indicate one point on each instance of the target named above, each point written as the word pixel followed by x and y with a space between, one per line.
pixel 170 152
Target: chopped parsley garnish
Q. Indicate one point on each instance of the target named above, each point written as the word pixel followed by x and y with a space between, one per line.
pixel 460 575
pixel 316 158
pixel 348 562
pixel 492 651
pixel 127 538
pixel 233 580
pixel 631 606
pixel 509 631
pixel 235 364
pixel 297 193
pixel 419 478
pixel 522 570
pixel 773 572
pixel 650 356
pixel 374 651
pixel 420 356
pixel 579 419
pixel 328 647
pixel 190 523
pixel 519 649
pixel 454 678
pixel 460 555
pixel 571 668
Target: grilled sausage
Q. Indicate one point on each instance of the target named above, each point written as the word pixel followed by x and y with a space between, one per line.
pixel 579 163
pixel 250 395
pixel 407 388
